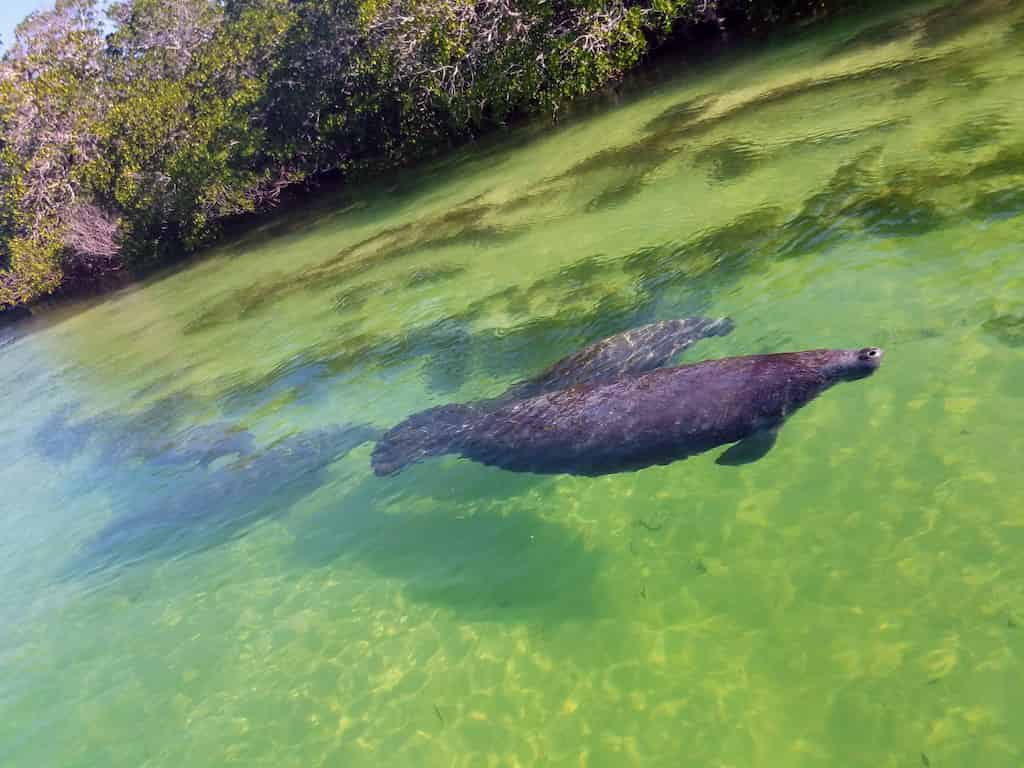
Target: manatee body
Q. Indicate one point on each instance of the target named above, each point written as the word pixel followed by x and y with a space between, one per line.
pixel 634 421
pixel 625 354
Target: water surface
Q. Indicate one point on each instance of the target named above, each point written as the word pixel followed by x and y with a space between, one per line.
pixel 854 598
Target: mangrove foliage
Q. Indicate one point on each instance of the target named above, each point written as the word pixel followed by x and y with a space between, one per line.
pixel 130 134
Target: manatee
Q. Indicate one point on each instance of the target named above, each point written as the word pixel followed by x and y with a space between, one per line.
pixel 634 421
pixel 624 354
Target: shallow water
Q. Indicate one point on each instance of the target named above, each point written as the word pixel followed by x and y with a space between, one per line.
pixel 854 598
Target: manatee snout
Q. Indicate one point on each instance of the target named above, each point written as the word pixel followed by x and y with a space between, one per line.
pixel 871 357
pixel 864 362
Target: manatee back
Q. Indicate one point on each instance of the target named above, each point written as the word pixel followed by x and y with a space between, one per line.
pixel 628 353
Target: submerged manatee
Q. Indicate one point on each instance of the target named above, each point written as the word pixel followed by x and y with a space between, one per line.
pixel 628 353
pixel 634 421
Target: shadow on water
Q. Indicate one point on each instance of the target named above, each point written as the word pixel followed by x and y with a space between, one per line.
pixel 602 295
pixel 61 437
pixel 432 275
pixel 119 437
pixel 598 296
pixel 891 74
pixel 927 29
pixel 205 508
pixel 725 252
pixel 7 337
pixel 729 159
pixel 1009 160
pixel 679 126
pixel 461 225
pixel 875 36
pixel 476 222
pixel 478 552
pixel 629 166
pixel 291 381
pixel 998 204
pixel 450 348
pixel 859 199
pixel 677 116
pixel 616 194
pixel 979 131
pixel 947 22
pixel 447 556
pixel 1008 329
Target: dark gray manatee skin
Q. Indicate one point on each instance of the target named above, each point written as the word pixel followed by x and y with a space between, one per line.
pixel 635 421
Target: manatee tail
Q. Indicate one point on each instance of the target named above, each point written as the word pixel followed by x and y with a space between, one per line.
pixel 723 326
pixel 433 432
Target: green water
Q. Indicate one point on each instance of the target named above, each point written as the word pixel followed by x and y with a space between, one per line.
pixel 855 598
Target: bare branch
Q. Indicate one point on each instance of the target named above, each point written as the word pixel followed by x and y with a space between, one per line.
pixel 91 233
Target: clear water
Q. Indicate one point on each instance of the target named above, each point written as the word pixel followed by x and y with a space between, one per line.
pixel 855 598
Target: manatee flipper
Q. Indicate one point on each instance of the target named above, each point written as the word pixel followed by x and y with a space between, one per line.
pixel 433 432
pixel 629 353
pixel 749 449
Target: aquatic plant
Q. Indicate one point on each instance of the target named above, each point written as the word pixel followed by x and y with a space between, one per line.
pixel 352 299
pixel 884 33
pixel 729 159
pixel 974 133
pixel 1008 160
pixel 458 226
pixel 998 204
pixel 678 115
pixel 616 194
pixel 1009 329
pixel 944 23
pixel 430 275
